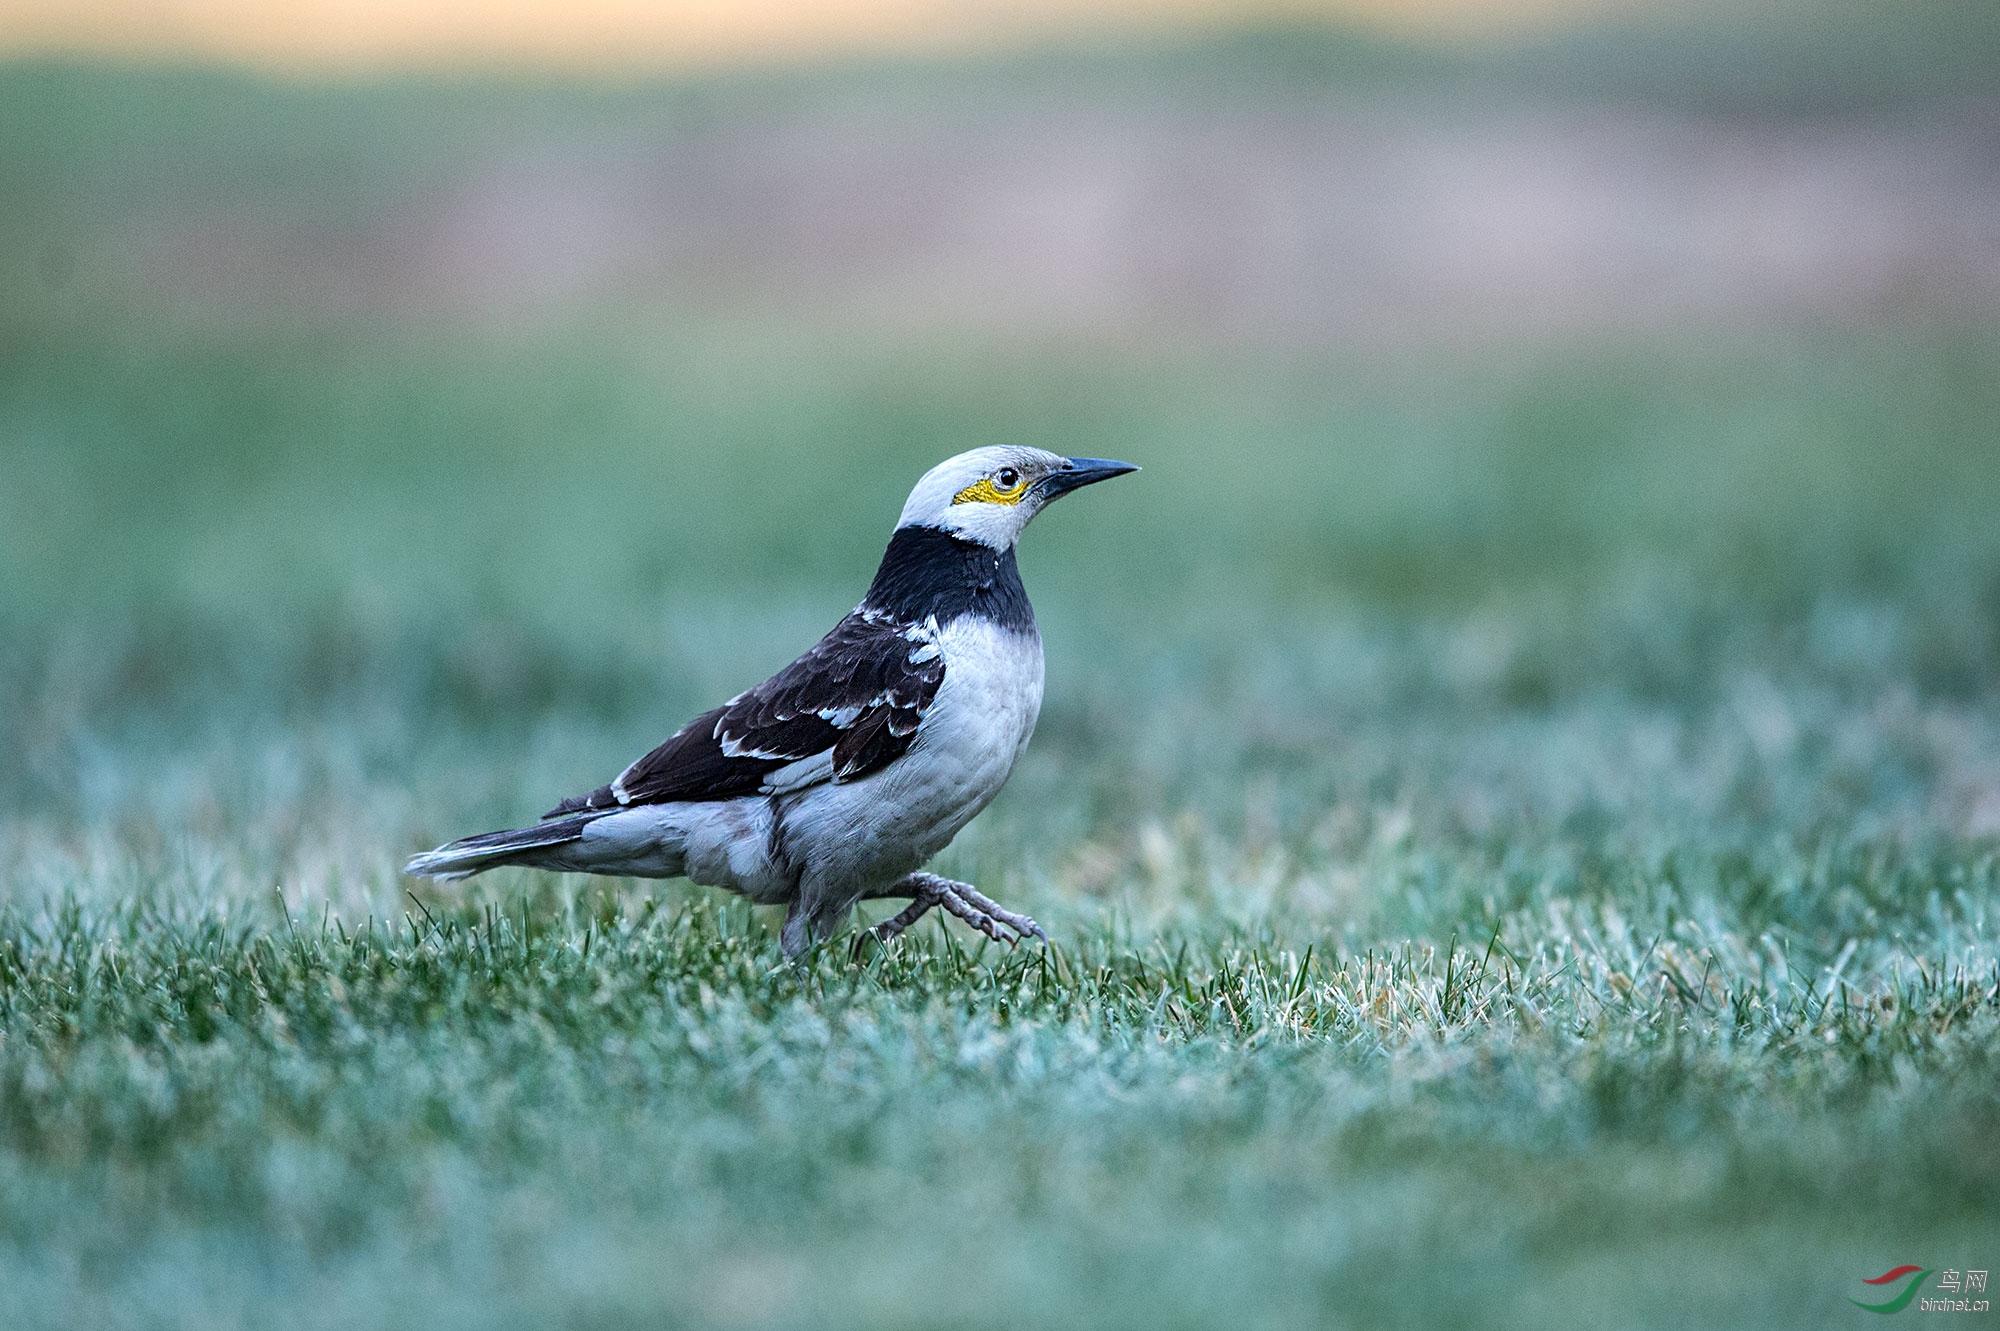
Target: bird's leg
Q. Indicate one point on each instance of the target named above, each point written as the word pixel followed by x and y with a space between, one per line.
pixel 928 890
pixel 919 906
pixel 796 935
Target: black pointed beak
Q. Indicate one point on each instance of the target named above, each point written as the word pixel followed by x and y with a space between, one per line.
pixel 1079 472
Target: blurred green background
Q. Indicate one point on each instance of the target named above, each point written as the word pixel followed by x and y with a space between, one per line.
pixel 1570 517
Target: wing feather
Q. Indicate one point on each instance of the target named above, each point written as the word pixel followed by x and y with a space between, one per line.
pixel 859 694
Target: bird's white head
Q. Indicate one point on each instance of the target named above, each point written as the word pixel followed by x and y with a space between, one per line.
pixel 990 495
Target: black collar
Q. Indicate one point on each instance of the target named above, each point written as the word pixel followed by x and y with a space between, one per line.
pixel 928 572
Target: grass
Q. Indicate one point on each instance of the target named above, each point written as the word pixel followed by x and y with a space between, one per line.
pixel 1519 830
pixel 570 1111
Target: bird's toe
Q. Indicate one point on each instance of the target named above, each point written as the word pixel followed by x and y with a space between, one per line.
pixel 1023 926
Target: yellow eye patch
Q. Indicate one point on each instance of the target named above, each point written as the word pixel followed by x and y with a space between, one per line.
pixel 986 491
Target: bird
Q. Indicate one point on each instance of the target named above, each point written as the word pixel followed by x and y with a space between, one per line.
pixel 837 779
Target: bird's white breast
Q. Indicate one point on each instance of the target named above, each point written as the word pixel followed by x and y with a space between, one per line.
pixel 985 711
pixel 889 823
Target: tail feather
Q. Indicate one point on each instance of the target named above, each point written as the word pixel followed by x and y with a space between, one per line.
pixel 490 850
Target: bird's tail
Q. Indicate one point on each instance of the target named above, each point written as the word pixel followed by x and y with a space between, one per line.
pixel 490 850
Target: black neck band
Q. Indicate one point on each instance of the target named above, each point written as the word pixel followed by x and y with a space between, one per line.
pixel 928 572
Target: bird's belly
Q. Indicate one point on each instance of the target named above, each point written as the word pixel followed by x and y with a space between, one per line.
pixel 718 843
pixel 888 824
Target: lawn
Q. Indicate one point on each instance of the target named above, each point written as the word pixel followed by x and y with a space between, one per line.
pixel 1519 824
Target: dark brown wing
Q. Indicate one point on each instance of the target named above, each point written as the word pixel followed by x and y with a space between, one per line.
pixel 858 695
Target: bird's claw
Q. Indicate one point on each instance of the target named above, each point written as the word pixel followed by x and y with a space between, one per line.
pixel 1023 926
pixel 968 903
pixel 975 917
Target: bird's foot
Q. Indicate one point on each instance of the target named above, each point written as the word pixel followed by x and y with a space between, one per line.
pixel 927 891
pixel 1023 926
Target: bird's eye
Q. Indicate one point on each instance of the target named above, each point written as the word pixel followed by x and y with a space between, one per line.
pixel 1004 486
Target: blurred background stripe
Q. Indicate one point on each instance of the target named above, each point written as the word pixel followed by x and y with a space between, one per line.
pixel 623 33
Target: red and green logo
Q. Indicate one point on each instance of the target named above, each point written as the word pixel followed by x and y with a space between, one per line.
pixel 1916 1276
